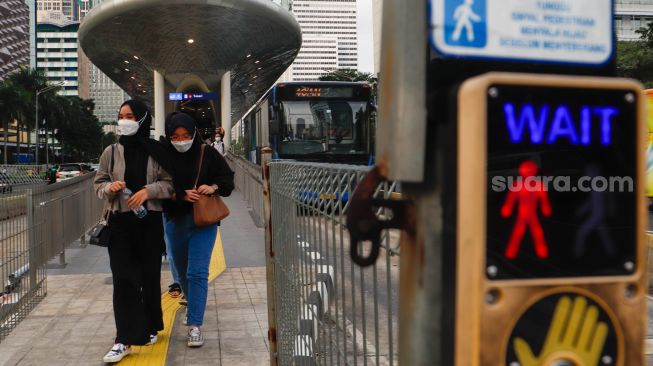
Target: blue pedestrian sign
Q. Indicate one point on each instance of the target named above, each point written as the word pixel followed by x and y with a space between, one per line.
pixel 578 32
pixel 175 96
pixel 465 23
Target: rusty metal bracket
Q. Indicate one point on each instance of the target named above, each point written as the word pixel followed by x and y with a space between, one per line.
pixel 363 223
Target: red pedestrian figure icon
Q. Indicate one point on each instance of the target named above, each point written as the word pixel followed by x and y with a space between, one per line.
pixel 527 196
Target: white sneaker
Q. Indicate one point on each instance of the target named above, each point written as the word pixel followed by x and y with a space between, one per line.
pixel 185 320
pixel 153 339
pixel 117 353
pixel 195 338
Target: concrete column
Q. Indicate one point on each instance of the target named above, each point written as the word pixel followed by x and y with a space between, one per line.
pixel 225 104
pixel 159 105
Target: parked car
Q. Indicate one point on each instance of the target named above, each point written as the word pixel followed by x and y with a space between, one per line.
pixel 67 171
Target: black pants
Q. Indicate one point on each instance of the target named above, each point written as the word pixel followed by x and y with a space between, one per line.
pixel 135 251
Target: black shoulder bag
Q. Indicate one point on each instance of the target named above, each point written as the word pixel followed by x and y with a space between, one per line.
pixel 101 232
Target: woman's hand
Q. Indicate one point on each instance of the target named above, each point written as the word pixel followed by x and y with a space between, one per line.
pixel 191 195
pixel 137 199
pixel 207 190
pixel 117 186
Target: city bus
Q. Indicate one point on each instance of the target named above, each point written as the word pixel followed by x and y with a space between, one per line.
pixel 309 121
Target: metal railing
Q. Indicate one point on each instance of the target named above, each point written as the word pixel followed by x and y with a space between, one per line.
pixel 327 310
pixel 37 222
pixel 19 175
pixel 247 178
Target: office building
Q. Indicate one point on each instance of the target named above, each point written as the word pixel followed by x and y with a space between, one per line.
pixel 62 10
pixel 631 15
pixel 330 39
pixel 57 53
pixel 94 84
pixel 14 36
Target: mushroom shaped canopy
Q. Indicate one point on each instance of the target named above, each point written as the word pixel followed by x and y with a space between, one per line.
pixel 188 40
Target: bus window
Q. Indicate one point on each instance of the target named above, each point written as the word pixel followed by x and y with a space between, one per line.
pixel 323 126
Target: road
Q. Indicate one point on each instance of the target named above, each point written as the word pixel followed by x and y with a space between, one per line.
pixel 364 314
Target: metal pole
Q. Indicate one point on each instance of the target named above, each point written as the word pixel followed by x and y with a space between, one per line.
pixel 225 104
pixel 402 90
pixel 159 105
pixel 266 156
pixel 36 129
pixel 47 152
pixel 31 239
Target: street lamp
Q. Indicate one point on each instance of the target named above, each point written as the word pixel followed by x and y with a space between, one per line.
pixel 36 122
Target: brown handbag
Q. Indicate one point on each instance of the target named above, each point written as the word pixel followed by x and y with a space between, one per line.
pixel 208 210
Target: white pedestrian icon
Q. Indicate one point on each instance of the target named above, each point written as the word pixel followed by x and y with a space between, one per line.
pixel 464 16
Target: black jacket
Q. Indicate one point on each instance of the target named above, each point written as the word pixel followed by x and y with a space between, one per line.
pixel 214 170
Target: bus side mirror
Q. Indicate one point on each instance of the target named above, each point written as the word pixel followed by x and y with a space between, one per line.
pixel 274 127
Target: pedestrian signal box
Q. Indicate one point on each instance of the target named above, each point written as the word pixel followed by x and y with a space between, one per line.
pixel 550 171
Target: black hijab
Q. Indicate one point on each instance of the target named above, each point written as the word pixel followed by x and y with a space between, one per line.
pixel 184 164
pixel 139 147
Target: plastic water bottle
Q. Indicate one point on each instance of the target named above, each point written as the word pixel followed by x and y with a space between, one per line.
pixel 141 211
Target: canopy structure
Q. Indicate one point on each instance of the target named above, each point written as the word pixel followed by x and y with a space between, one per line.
pixel 192 44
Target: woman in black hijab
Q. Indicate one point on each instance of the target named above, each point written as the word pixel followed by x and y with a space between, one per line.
pixel 192 245
pixel 136 164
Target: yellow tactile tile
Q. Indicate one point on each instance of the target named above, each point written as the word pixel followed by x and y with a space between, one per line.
pixel 156 355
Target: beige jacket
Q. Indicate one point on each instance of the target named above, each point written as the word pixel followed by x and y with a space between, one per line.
pixel 159 182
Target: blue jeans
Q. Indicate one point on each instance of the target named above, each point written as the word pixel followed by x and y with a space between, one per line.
pixel 191 253
pixel 171 263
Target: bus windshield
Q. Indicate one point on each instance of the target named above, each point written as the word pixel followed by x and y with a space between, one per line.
pixel 324 126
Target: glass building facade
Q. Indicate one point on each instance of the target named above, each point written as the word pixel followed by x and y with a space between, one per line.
pixel 14 36
pixel 631 15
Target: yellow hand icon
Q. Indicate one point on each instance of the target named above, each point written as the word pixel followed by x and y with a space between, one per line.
pixel 574 335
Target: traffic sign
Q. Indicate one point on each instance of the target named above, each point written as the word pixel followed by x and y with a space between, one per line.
pixel 561 168
pixel 550 221
pixel 550 31
pixel 192 96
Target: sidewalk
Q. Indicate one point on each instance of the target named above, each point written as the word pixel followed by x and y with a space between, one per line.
pixel 74 324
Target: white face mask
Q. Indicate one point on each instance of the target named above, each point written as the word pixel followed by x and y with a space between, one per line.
pixel 183 146
pixel 218 139
pixel 127 127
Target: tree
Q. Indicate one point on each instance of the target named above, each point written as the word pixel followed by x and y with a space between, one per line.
pixel 109 138
pixel 77 128
pixel 29 81
pixel 80 133
pixel 635 58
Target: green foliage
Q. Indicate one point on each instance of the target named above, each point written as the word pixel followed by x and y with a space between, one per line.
pixel 635 58
pixel 80 133
pixel 238 147
pixel 109 138
pixel 77 129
